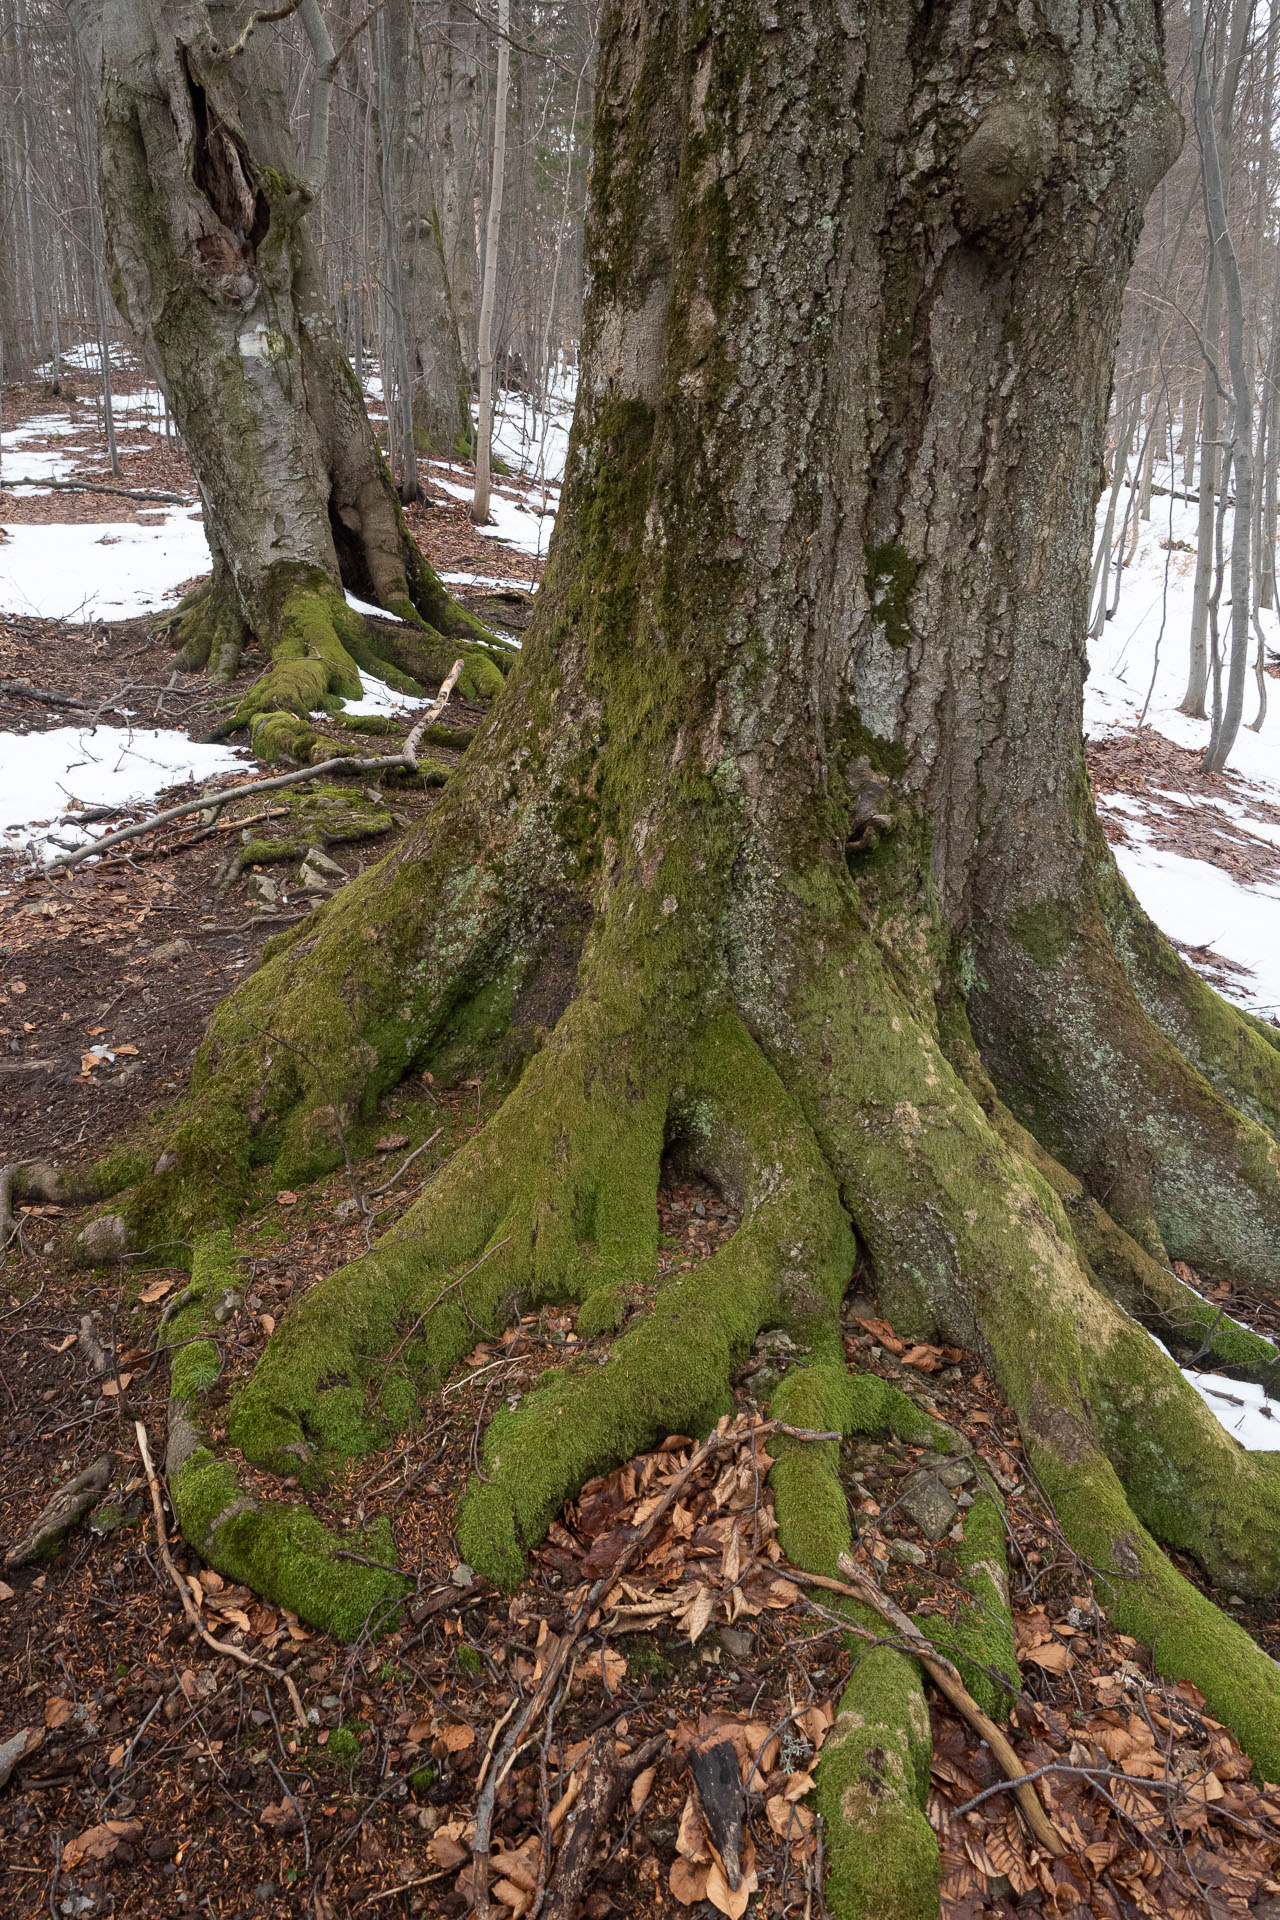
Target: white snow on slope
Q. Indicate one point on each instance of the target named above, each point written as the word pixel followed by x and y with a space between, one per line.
pixel 1247 1412
pixel 95 570
pixel 43 775
pixel 1143 652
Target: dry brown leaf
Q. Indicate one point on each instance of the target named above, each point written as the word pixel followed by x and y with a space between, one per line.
pixel 282 1817
pixel 110 1388
pixel 456 1736
pixel 267 1321
pixel 445 1849
pixel 789 1820
pixel 699 1612
pixel 1052 1656
pixel 688 1883
pixel 517 1899
pixel 691 1838
pixel 99 1843
pixel 156 1291
pixel 57 1711
pixel 519 1866
pixel 642 1787
pixel 726 1899
pixel 797 1785
pixel 286 1199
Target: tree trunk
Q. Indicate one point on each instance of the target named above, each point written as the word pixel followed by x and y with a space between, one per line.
pixel 457 156
pixel 779 849
pixel 493 230
pixel 439 388
pixel 212 265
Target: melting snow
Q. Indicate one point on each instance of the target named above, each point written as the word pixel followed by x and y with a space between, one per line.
pixel 91 570
pixel 44 775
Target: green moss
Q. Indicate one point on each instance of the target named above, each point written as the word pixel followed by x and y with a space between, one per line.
pixel 283 1553
pixel 342 1747
pixel 980 1640
pixel 470 1662
pixel 1045 930
pixel 891 578
pixel 873 1782
pixel 873 1772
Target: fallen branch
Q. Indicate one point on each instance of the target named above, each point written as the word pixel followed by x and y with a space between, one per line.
pixel 859 1586
pixel 94 486
pixel 606 1778
pixel 430 714
pixel 69 1504
pixel 189 1606
pixel 341 763
pixel 44 694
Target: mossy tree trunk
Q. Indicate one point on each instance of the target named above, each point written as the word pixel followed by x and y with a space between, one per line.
pixel 779 847
pixel 212 265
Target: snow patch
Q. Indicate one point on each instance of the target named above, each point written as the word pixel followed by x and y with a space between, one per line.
pixel 95 570
pixel 44 775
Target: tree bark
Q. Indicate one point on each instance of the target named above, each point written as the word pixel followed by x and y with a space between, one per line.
pixel 779 850
pixel 440 392
pixel 493 230
pixel 206 201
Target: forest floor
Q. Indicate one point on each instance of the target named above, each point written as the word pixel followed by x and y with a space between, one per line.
pixel 144 1773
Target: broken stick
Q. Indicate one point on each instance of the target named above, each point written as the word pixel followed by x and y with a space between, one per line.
pixel 858 1586
pixel 189 1606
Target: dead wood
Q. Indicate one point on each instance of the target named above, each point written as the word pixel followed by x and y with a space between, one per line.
pixel 69 1504
pixel 605 1780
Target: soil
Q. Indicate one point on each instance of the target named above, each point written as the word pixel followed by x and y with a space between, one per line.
pixel 161 1778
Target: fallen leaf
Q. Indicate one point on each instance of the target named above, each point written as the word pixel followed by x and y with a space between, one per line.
pixel 63 1345
pixel 691 1837
pixel 286 1199
pixel 607 1668
pixel 688 1883
pixel 726 1899
pixel 699 1612
pixel 126 1048
pixel 117 1754
pixel 156 1291
pixel 267 1321
pixel 517 1899
pixel 6 1591
pixel 456 1737
pixel 281 1816
pixel 789 1820
pixel 110 1388
pixel 1052 1656
pixel 641 1788
pixel 57 1711
pixel 99 1843
pixel 798 1784
pixel 445 1851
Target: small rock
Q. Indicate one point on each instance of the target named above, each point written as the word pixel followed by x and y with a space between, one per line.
pixel 317 858
pixel 228 1305
pixel 737 1643
pixel 776 1341
pixel 170 950
pixel 956 1473
pixel 263 889
pixel 166 1163
pixel 906 1551
pixel 462 1575
pixel 926 1501
pixel 103 1242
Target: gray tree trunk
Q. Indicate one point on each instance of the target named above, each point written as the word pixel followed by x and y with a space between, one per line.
pixel 205 201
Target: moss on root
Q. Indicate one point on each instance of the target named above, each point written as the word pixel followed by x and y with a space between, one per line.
pixel 980 1639
pixel 873 1772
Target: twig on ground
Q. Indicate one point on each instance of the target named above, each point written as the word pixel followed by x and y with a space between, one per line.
pixel 184 1592
pixel 945 1677
pixel 341 763
pixel 96 486
pixel 430 714
pixel 45 695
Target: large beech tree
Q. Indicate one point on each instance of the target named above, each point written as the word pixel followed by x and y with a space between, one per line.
pixel 205 198
pixel 779 849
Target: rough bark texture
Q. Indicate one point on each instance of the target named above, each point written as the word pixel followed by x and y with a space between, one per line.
pixel 212 265
pixel 779 851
